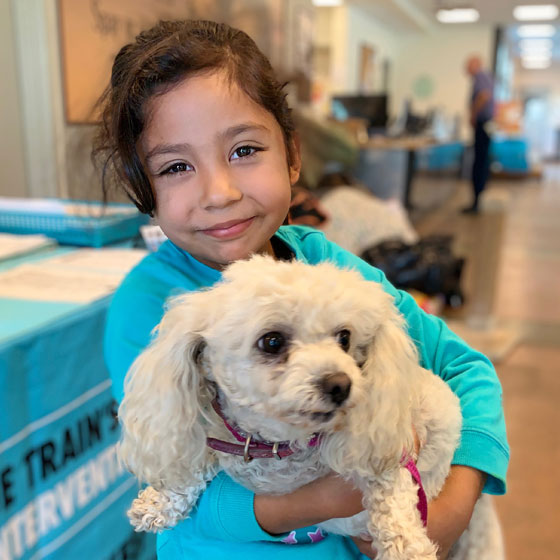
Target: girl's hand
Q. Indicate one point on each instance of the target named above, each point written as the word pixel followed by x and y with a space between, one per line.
pixel 331 496
pixel 325 498
pixel 364 546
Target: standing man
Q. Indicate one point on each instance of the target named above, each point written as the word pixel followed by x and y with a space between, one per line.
pixel 481 112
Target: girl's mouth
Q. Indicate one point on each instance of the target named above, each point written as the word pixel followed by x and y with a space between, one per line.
pixel 227 230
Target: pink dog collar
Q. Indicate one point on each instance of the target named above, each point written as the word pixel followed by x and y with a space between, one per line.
pixel 250 450
pixel 422 505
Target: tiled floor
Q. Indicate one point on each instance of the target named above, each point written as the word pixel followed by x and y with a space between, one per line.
pixel 526 299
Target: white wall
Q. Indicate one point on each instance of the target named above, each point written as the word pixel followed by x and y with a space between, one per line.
pixel 12 166
pixel 440 55
pixel 364 29
pixel 339 34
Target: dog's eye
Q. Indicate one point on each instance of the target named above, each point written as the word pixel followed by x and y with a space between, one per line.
pixel 272 342
pixel 343 339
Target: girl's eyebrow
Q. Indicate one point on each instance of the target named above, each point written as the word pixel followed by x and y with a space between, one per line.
pixel 233 131
pixel 160 149
pixel 229 133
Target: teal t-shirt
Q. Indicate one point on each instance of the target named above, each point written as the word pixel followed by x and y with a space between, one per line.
pixel 224 521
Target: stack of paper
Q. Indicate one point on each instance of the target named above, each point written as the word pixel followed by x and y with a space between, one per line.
pixel 80 276
pixel 15 245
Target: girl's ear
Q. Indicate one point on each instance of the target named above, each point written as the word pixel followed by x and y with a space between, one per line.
pixel 295 157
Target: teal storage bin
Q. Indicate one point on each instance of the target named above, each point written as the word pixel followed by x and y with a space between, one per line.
pixel 71 222
pixel 510 155
pixel 441 157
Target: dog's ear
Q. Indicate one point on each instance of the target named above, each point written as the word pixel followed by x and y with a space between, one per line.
pixel 163 438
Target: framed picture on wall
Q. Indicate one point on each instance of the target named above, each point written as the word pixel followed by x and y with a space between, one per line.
pixel 93 31
pixel 91 34
pixel 366 68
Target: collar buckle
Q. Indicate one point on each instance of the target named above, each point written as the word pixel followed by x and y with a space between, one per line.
pixel 246 457
pixel 275 451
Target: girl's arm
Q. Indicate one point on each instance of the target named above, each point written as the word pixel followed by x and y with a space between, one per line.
pixel 450 513
pixel 469 374
pixel 326 498
pixel 228 511
pixel 329 497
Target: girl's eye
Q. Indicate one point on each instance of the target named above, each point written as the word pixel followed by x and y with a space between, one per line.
pixel 343 339
pixel 244 151
pixel 177 168
pixel 271 343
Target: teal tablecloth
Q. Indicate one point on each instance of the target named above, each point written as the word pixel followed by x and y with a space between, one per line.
pixel 63 494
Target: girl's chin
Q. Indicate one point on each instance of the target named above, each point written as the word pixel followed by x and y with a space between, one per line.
pixel 219 253
pixel 225 258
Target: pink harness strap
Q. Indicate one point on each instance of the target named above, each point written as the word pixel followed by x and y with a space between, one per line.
pixel 422 505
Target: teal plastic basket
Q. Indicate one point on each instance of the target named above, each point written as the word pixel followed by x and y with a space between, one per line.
pixel 76 223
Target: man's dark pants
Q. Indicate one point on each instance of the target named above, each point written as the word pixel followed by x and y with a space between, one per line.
pixel 481 164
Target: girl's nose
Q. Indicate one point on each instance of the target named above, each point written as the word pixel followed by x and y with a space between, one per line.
pixel 219 189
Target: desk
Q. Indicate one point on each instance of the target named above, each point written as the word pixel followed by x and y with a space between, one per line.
pixel 63 494
pixel 387 165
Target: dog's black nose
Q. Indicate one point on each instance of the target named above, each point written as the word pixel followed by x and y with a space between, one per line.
pixel 337 387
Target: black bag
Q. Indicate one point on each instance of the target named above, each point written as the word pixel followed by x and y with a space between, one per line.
pixel 428 266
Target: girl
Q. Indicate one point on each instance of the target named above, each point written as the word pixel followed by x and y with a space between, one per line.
pixel 197 130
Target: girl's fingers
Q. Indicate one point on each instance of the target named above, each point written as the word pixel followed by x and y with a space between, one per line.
pixel 365 547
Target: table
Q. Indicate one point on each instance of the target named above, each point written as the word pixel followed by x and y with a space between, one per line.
pixel 63 494
pixel 387 165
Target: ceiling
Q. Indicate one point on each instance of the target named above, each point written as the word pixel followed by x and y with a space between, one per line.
pixel 497 12
pixel 420 14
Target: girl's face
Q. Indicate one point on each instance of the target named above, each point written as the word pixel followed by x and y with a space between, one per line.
pixel 217 162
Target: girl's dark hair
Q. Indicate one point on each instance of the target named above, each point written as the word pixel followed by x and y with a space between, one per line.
pixel 156 61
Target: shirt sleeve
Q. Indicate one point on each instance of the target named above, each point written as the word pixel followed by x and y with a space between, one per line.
pixel 469 373
pixel 131 318
pixel 225 511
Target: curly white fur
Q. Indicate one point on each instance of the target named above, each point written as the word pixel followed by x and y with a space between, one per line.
pixel 207 346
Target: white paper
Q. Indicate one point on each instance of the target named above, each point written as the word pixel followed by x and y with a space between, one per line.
pixel 80 276
pixel 153 237
pixel 41 283
pixel 99 260
pixel 13 245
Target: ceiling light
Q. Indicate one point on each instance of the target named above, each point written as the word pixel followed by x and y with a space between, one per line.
pixel 535 57
pixel 535 64
pixel 326 3
pixel 535 44
pixel 544 30
pixel 536 49
pixel 541 12
pixel 458 15
pixel 536 52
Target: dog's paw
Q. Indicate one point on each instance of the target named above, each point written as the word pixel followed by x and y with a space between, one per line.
pixel 150 511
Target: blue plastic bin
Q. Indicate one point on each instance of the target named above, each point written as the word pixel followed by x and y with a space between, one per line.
pixel 72 222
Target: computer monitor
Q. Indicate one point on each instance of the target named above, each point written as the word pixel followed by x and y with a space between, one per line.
pixel 373 108
pixel 416 123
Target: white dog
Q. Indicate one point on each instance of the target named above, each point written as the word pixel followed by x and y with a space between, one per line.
pixel 309 364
